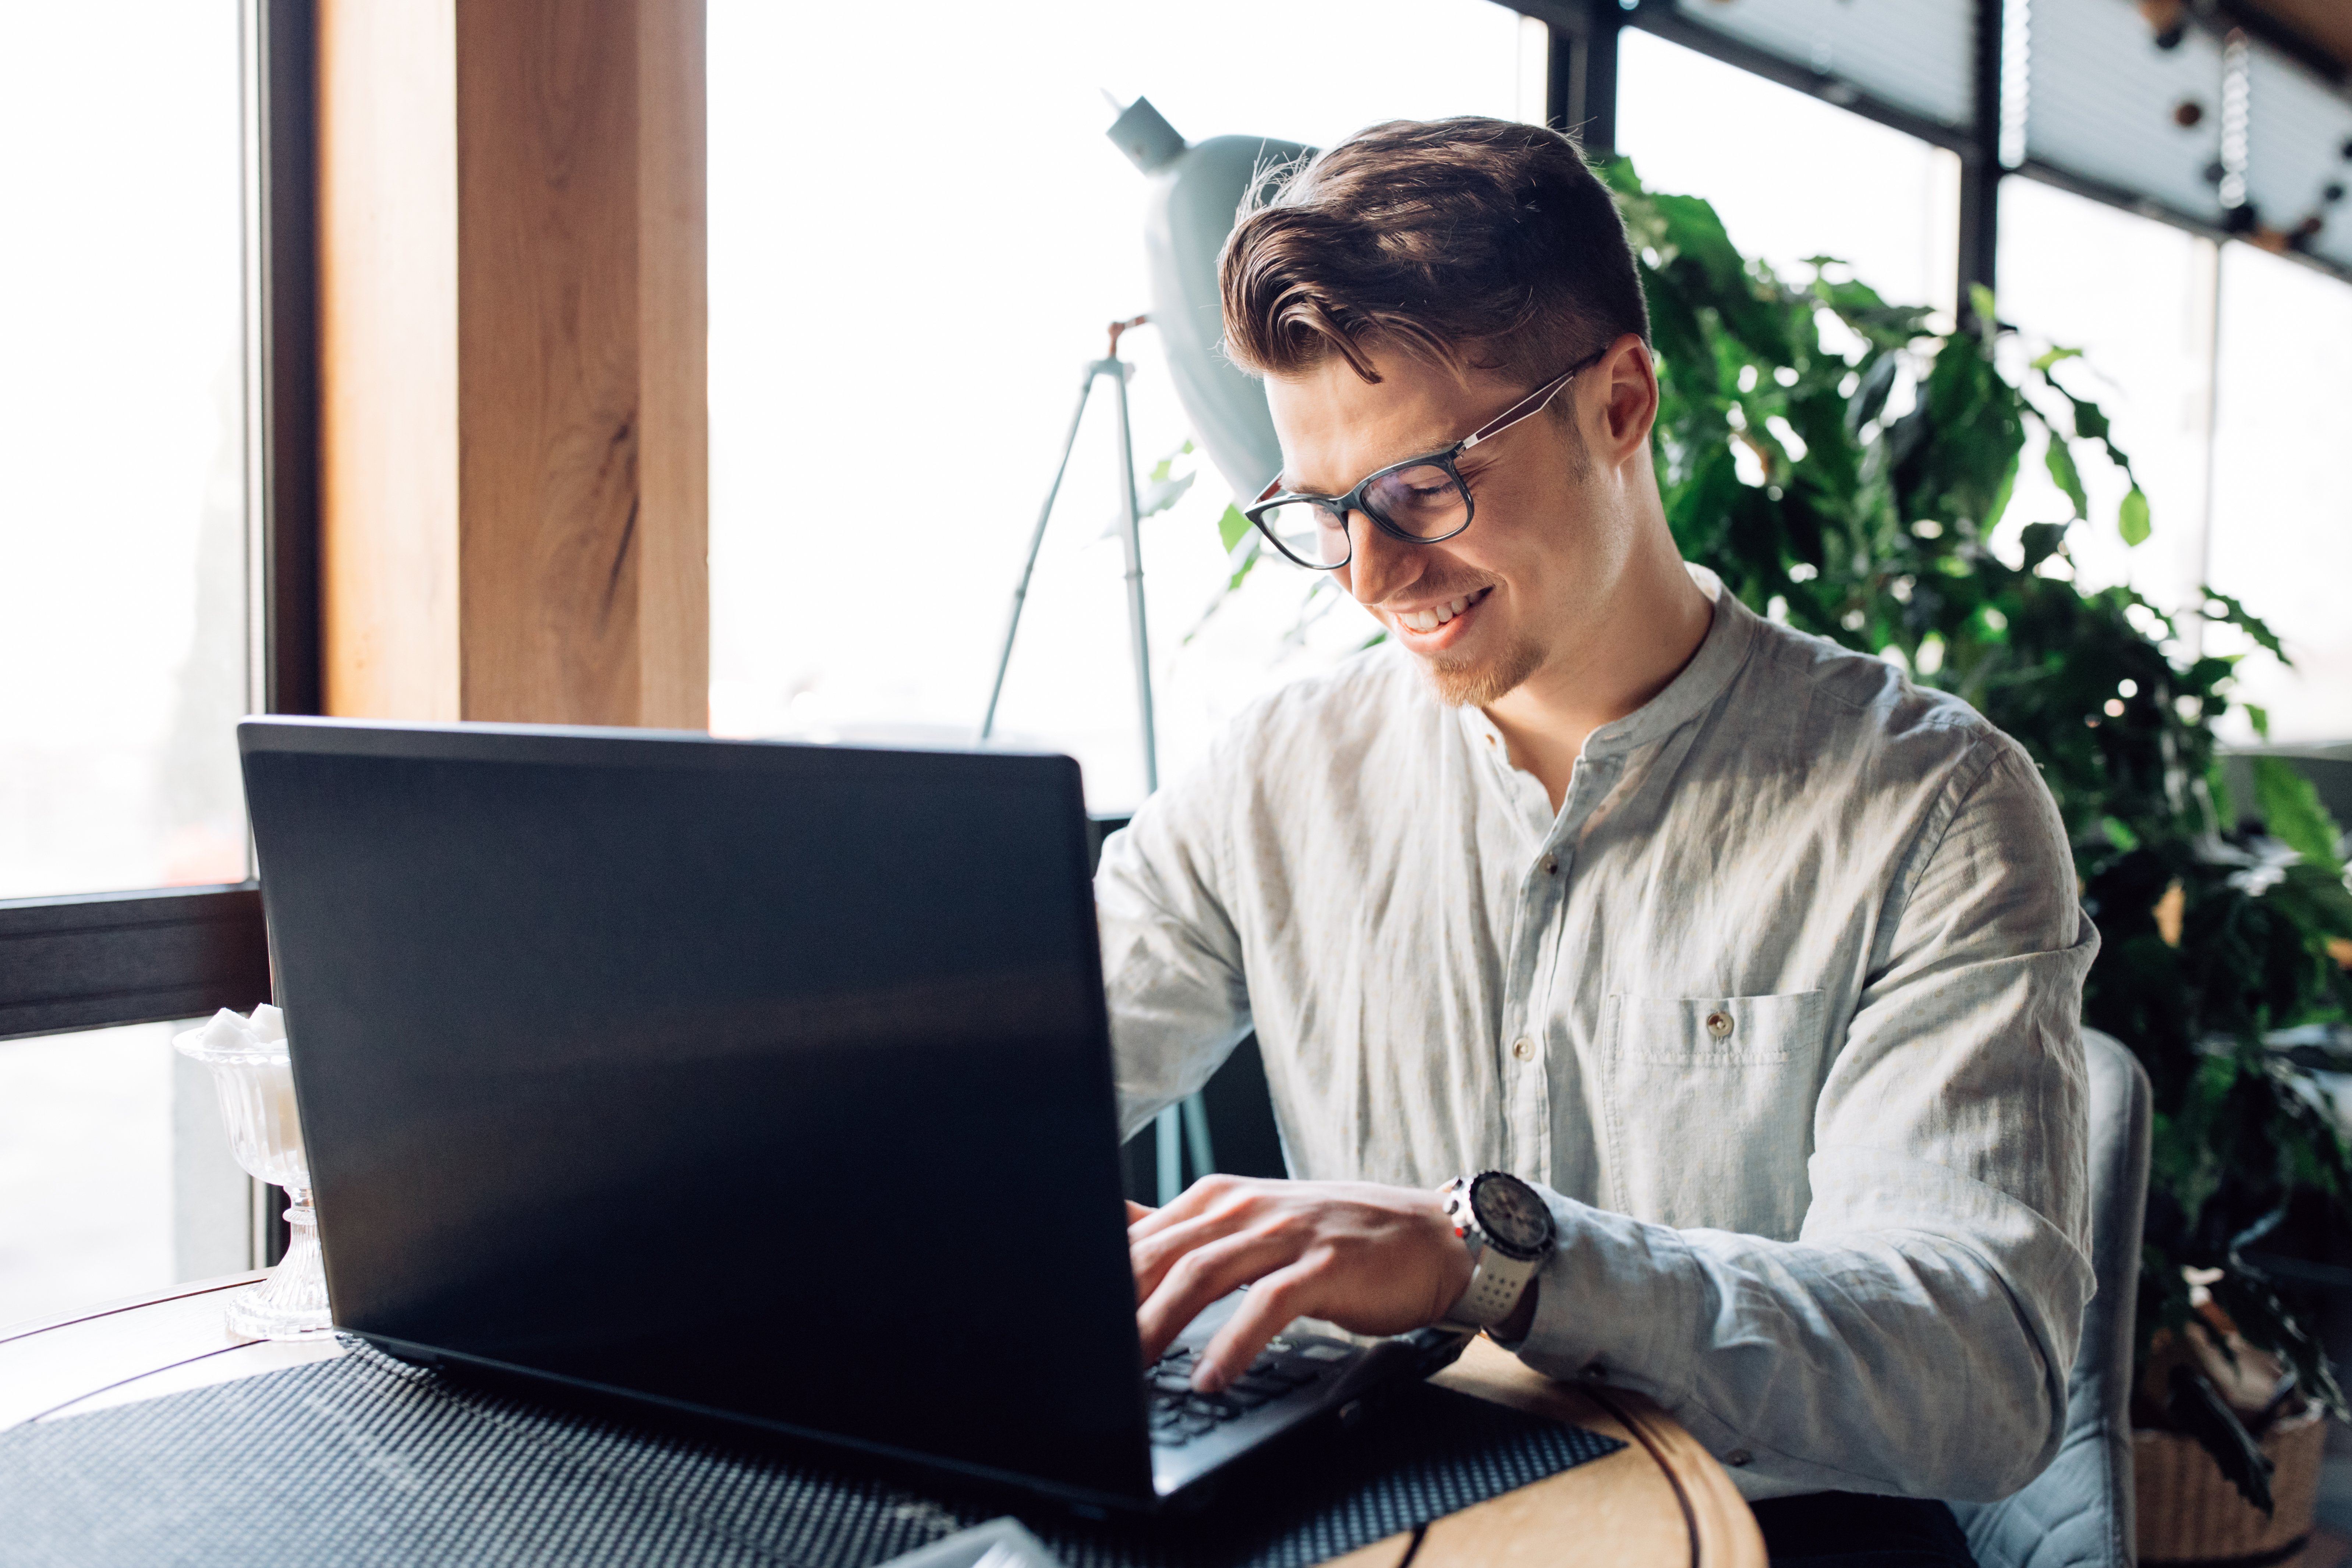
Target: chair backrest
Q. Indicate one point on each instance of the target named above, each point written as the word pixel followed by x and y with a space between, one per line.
pixel 2078 1512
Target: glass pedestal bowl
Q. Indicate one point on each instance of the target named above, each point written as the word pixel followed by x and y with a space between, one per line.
pixel 254 1075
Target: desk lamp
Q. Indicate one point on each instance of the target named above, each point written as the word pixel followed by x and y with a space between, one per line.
pixel 1197 190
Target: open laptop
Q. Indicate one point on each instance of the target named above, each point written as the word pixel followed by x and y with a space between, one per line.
pixel 770 1082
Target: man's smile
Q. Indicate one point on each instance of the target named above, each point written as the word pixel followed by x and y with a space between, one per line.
pixel 1430 628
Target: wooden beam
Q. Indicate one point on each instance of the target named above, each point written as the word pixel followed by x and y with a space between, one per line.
pixel 512 283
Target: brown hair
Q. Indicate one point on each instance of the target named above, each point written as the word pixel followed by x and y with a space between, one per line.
pixel 1477 244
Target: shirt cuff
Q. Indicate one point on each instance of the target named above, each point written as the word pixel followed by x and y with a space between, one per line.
pixel 1619 1303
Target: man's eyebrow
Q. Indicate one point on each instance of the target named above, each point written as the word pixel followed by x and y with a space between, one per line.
pixel 1405 454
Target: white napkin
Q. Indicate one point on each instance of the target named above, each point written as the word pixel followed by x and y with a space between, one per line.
pixel 264 1034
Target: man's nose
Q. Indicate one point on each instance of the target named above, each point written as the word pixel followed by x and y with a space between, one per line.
pixel 1379 565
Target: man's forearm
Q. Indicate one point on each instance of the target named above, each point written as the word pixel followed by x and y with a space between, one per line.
pixel 1893 1361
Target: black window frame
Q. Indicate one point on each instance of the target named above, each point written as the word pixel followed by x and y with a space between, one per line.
pixel 1582 97
pixel 92 961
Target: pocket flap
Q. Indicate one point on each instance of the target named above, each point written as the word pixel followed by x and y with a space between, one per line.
pixel 1718 1031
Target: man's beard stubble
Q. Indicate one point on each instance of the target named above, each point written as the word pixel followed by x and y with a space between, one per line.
pixel 1474 683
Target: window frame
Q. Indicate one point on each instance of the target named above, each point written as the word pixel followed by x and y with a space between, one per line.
pixel 92 961
pixel 1583 95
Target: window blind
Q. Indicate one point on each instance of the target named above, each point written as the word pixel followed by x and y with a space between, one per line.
pixel 2102 101
pixel 2298 132
pixel 1910 54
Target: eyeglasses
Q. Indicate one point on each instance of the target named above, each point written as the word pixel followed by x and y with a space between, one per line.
pixel 1421 500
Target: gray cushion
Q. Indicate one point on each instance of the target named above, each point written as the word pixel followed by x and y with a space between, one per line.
pixel 2078 1512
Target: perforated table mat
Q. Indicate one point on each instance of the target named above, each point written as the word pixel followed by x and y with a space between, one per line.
pixel 366 1459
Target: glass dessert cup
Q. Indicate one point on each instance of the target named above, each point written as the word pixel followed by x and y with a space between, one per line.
pixel 253 1077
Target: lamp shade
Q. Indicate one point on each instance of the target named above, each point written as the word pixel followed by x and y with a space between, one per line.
pixel 1197 189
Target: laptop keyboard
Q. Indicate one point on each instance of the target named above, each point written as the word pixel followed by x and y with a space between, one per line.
pixel 1178 1414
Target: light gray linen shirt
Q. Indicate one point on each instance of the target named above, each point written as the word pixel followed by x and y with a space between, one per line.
pixel 1844 1238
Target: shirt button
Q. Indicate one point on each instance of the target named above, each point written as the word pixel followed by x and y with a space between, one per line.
pixel 1551 865
pixel 1736 1458
pixel 1524 1048
pixel 1718 1024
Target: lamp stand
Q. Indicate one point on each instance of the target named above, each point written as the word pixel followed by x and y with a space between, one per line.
pixel 1183 1127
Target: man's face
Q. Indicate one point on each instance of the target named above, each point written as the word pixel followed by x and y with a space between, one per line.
pixel 1524 586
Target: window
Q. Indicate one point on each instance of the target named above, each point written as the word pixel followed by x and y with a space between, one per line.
pixel 123 618
pixel 122 562
pixel 1690 124
pixel 86 1155
pixel 2282 512
pixel 2136 296
pixel 914 252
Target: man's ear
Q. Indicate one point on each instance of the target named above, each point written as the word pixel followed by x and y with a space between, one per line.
pixel 1628 399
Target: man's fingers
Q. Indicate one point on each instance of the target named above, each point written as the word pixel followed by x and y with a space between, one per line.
pixel 1137 1213
pixel 1199 1278
pixel 1152 1256
pixel 1210 1193
pixel 1265 1310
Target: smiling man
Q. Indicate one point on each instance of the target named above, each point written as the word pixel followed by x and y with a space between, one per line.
pixel 1689 1003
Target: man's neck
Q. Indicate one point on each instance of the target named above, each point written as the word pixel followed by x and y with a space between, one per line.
pixel 1654 625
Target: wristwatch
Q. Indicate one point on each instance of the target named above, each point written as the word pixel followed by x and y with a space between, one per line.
pixel 1507 1228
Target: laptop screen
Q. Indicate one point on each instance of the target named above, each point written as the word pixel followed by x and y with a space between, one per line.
pixel 767 1079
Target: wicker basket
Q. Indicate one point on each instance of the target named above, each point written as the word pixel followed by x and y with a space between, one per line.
pixel 2188 1513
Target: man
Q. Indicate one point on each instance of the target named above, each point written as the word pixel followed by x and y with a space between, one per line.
pixel 1759 967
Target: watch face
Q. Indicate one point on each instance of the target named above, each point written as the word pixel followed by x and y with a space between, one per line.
pixel 1511 1212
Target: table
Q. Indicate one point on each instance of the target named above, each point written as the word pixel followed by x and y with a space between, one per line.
pixel 1660 1500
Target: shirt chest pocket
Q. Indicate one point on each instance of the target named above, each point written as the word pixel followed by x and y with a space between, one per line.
pixel 1710 1117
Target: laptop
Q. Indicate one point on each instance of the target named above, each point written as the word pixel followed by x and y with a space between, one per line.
pixel 764 1082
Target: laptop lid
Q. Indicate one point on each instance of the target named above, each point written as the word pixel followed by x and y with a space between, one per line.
pixel 770 1080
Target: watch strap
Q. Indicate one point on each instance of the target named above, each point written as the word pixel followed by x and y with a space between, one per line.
pixel 1496 1279
pixel 1496 1283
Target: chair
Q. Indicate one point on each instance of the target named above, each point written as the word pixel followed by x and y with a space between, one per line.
pixel 2078 1512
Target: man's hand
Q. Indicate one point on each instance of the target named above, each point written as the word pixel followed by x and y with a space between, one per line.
pixel 1372 1259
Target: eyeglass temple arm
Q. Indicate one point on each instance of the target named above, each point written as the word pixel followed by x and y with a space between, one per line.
pixel 1520 410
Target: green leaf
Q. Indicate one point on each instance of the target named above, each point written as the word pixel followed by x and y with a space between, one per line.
pixel 2041 541
pixel 2316 900
pixel 2260 718
pixel 2000 501
pixel 1164 494
pixel 1981 301
pixel 2217 790
pixel 1231 527
pixel 2292 813
pixel 2061 463
pixel 2131 519
pixel 2090 420
pixel 1257 549
pixel 1870 395
pixel 2235 614
pixel 2196 1409
pixel 2044 361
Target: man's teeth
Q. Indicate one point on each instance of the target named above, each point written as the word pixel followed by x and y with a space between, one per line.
pixel 1430 620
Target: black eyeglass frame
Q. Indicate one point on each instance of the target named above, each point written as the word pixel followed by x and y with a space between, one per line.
pixel 1359 499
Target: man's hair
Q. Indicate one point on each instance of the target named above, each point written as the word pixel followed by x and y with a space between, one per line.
pixel 1472 243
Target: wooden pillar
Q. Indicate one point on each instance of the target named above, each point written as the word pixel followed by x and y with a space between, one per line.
pixel 515 442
